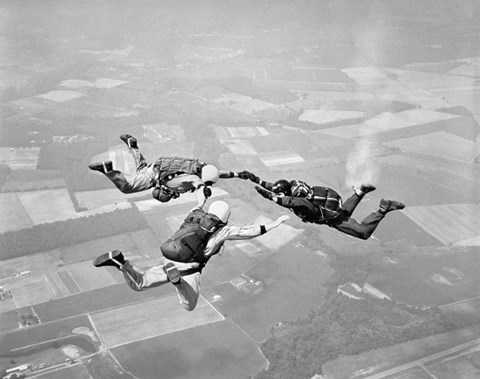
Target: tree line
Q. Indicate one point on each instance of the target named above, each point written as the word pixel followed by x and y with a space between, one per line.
pixel 45 237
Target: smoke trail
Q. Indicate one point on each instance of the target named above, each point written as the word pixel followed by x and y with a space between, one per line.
pixel 361 168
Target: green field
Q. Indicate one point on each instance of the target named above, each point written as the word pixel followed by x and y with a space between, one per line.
pixel 15 217
pixel 428 277
pixel 292 285
pixel 219 350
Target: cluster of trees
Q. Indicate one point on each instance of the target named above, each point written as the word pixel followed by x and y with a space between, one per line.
pixel 344 327
pixel 29 320
pixel 51 236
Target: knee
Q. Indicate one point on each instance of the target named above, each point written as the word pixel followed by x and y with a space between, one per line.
pixel 125 189
pixel 136 287
pixel 189 306
pixel 365 235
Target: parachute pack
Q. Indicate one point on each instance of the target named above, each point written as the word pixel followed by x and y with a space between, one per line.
pixel 168 167
pixel 189 241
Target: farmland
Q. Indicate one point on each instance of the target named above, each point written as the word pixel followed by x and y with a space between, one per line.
pixel 336 95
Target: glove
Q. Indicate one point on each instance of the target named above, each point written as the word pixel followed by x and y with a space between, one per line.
pixel 207 192
pixel 244 174
pixel 265 193
pixel 249 175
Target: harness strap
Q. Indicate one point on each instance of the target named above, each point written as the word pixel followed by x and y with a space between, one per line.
pixel 190 271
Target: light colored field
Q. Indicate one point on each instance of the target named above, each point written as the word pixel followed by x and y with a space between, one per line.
pixel 433 81
pixel 277 237
pixel 48 205
pixel 61 96
pixel 447 89
pixel 248 248
pixel 99 83
pixel 246 131
pixel 330 96
pixel 7 305
pixel 389 121
pixel 467 69
pixel 98 199
pixel 439 144
pixel 449 223
pixel 319 116
pixel 280 158
pixel 241 147
pixel 18 158
pixel 469 97
pixel 87 276
pixel 14 215
pixel 35 263
pixel 32 290
pixel 152 318
pixel 241 103
pixel 403 88
pixel 60 282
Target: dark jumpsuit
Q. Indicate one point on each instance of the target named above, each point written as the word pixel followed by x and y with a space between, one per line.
pixel 339 219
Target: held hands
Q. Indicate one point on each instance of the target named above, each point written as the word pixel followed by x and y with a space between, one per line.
pixel 248 175
pixel 244 174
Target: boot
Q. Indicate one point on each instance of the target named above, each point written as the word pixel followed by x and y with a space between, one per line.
pixel 364 189
pixel 172 273
pixel 390 205
pixel 129 140
pixel 113 258
pixel 102 167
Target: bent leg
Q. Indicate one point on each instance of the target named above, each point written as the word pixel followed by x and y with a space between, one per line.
pixel 141 280
pixel 362 230
pixel 140 182
pixel 188 291
pixel 351 203
pixel 140 162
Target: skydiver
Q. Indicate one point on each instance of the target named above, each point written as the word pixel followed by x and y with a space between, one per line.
pixel 201 235
pixel 323 205
pixel 169 176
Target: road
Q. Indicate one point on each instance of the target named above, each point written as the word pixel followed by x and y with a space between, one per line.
pixel 424 360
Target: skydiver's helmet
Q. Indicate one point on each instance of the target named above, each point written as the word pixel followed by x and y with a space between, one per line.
pixel 282 187
pixel 221 209
pixel 161 194
pixel 209 174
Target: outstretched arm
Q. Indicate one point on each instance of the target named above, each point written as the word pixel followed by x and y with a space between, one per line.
pixel 240 233
pixel 254 178
pixel 227 174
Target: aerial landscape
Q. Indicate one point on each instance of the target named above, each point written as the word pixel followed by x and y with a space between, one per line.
pixel 333 93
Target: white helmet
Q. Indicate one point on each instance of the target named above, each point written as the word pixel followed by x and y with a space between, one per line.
pixel 210 174
pixel 220 209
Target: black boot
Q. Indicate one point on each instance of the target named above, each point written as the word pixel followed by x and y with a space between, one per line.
pixel 172 273
pixel 364 189
pixel 390 205
pixel 129 140
pixel 113 258
pixel 102 167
